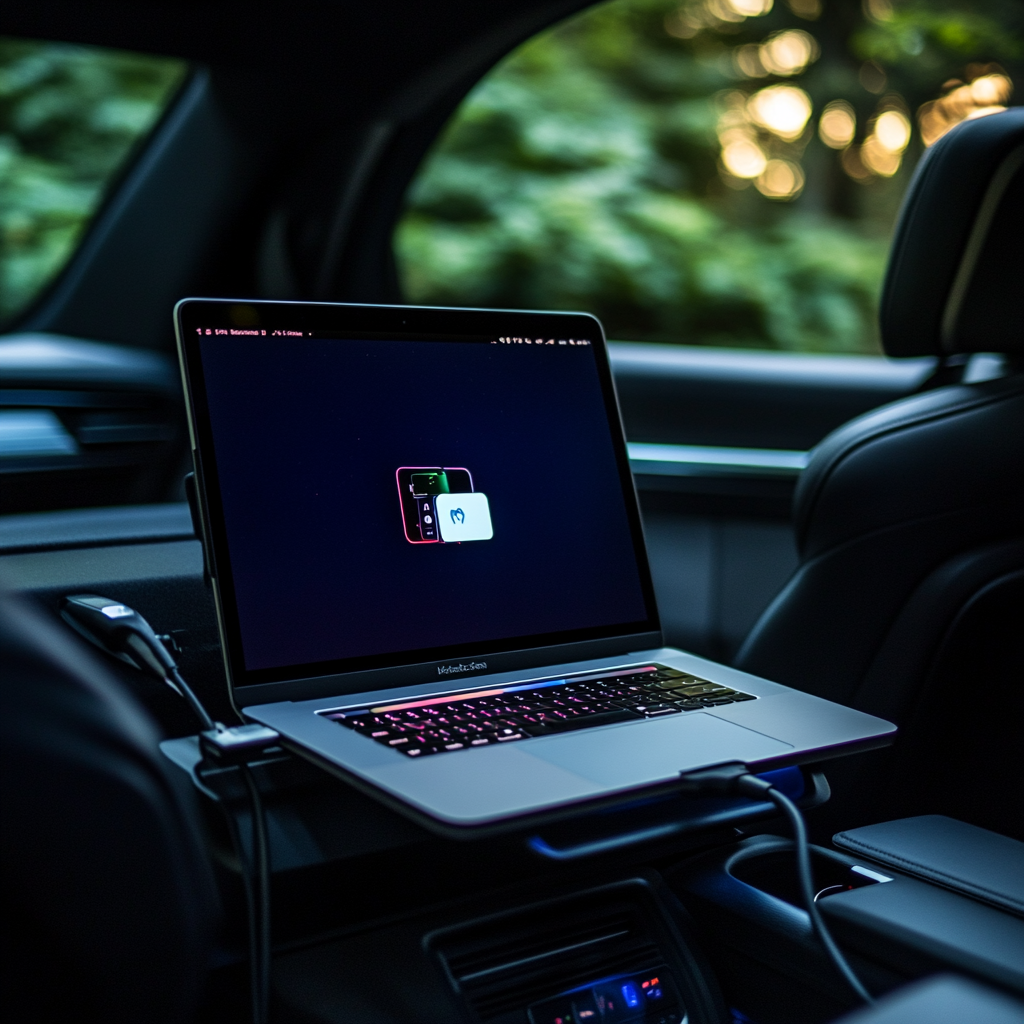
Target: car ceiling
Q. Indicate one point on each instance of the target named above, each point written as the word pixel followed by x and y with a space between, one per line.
pixel 392 50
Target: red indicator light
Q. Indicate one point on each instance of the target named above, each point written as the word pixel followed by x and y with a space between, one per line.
pixel 654 981
pixel 644 984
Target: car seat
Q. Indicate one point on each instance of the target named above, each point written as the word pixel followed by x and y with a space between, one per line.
pixel 108 899
pixel 908 598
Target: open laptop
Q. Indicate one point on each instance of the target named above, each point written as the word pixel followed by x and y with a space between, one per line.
pixel 429 564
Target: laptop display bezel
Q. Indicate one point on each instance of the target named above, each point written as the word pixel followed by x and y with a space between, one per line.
pixel 353 675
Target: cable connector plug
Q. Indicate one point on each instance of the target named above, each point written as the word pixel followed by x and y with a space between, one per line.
pixel 238 744
pixel 732 779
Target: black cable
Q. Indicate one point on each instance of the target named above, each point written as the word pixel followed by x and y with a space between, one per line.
pixel 259 932
pixel 803 866
pixel 252 911
pixel 255 875
pixel 736 779
pixel 174 677
pixel 255 870
pixel 751 785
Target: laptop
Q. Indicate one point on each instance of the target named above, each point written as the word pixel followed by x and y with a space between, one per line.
pixel 429 568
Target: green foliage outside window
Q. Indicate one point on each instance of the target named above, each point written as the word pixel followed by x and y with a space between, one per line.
pixel 69 119
pixel 629 162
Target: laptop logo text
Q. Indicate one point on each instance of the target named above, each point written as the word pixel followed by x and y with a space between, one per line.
pixel 464 666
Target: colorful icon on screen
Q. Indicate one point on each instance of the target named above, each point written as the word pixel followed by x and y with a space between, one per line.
pixel 439 505
pixel 464 517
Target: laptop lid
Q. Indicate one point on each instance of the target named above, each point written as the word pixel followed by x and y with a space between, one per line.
pixel 393 495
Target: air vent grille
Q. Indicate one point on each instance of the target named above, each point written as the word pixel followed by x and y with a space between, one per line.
pixel 508 964
pixel 85 423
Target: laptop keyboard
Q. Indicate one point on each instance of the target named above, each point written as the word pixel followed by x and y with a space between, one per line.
pixel 503 715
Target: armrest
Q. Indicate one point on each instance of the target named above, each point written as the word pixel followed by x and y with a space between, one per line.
pixel 946 852
pixel 943 1000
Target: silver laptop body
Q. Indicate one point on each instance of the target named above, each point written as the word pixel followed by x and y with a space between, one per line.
pixel 420 516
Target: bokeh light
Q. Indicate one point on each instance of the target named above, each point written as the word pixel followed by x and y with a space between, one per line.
pixel 877 10
pixel 991 89
pixel 749 8
pixel 780 179
pixel 838 124
pixel 986 94
pixel 892 130
pixel 788 53
pixel 873 77
pixel 783 109
pixel 810 10
pixel 853 164
pixel 723 11
pixel 882 151
pixel 878 159
pixel 682 24
pixel 689 19
pixel 742 156
pixel 747 61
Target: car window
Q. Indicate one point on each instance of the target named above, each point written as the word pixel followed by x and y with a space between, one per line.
pixel 718 172
pixel 70 117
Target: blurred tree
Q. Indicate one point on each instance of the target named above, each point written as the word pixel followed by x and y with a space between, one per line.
pixel 69 119
pixel 721 172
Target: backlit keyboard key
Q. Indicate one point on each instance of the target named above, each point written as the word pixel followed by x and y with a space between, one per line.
pixel 500 718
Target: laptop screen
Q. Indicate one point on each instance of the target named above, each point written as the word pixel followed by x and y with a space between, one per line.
pixel 391 497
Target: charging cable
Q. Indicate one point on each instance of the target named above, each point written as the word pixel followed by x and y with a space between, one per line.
pixel 737 780
pixel 124 633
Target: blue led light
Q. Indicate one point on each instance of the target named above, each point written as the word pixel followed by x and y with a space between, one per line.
pixel 631 995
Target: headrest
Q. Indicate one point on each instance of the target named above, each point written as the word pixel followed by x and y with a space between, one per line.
pixel 954 280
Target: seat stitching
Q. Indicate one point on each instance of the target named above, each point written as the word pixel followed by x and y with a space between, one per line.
pixel 885 854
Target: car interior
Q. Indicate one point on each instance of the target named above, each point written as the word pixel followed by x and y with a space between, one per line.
pixel 847 525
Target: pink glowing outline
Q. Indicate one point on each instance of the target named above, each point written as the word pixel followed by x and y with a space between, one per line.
pixel 398 485
pixel 435 700
pixel 450 698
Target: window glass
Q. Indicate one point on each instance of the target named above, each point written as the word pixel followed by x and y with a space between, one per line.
pixel 69 119
pixel 719 172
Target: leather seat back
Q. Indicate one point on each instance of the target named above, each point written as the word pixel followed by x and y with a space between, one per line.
pixel 108 899
pixel 905 515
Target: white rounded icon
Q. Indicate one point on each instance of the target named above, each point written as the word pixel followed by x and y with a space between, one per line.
pixel 463 517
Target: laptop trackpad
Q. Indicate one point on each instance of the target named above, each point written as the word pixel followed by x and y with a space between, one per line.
pixel 629 755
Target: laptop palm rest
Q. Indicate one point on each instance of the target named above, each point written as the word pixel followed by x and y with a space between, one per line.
pixel 520 778
pixel 633 756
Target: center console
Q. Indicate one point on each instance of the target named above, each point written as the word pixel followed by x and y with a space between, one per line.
pixel 608 954
pixel 896 918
